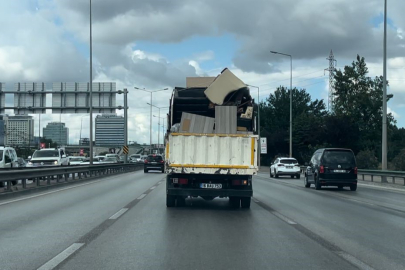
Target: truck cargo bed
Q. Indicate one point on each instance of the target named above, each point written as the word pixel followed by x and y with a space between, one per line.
pixel 212 154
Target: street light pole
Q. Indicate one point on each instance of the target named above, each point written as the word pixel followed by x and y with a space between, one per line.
pixel 384 120
pixel 91 93
pixel 158 120
pixel 258 124
pixel 150 127
pixel 290 97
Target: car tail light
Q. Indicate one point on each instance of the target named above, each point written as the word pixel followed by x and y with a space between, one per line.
pixel 162 161
pixel 146 161
pixel 321 169
pixel 183 181
pixel 355 170
pixel 280 165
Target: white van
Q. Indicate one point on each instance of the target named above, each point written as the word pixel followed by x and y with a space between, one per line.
pixel 8 159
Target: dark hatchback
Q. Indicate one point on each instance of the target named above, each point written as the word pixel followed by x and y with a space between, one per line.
pixel 155 163
pixel 332 167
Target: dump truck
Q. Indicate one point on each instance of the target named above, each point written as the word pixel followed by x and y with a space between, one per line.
pixel 211 142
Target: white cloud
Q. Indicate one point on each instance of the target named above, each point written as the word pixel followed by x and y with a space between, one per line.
pixel 396 115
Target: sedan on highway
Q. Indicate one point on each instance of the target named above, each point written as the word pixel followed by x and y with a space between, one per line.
pixel 109 160
pixel 154 162
pixel 75 160
pixel 285 166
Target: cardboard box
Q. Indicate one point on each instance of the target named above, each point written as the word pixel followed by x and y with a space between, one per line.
pixel 193 123
pixel 225 119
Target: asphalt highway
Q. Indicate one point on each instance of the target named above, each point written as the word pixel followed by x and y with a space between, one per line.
pixel 121 222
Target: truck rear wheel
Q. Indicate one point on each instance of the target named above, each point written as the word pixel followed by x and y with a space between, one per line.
pixel 170 200
pixel 245 202
pixel 235 202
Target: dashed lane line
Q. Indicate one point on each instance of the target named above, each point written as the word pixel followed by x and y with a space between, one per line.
pixel 119 213
pixel 55 261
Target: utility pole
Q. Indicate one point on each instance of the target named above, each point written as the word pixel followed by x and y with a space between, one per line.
pixel 331 70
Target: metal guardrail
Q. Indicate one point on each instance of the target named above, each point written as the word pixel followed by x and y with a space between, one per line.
pixel 392 174
pixel 62 173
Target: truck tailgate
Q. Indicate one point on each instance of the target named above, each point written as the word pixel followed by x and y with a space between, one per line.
pixel 212 153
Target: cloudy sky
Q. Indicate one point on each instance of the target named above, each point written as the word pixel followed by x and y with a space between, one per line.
pixel 156 44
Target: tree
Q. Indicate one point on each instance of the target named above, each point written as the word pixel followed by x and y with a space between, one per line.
pixel 366 159
pixel 359 98
pixel 275 122
pixel 399 161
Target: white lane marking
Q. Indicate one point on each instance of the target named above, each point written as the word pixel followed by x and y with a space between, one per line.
pixel 354 260
pixel 153 187
pixel 141 197
pixel 55 261
pixel 50 192
pixel 119 213
pixel 283 218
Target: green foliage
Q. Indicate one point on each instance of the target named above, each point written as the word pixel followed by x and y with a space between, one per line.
pixel 355 123
pixel 399 161
pixel 366 159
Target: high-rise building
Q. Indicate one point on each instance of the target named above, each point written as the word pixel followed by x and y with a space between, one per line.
pixel 57 132
pixel 109 130
pixel 84 141
pixel 3 129
pixel 20 130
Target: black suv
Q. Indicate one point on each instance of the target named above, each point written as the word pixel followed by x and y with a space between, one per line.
pixel 332 167
pixel 154 162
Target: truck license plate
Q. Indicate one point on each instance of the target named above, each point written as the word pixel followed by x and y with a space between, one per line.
pixel 215 186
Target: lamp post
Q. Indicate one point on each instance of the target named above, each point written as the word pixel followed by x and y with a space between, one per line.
pixel 159 119
pixel 258 120
pixel 384 120
pixel 150 127
pixel 159 128
pixel 290 97
pixel 91 92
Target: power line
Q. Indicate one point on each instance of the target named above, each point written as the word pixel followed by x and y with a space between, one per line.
pixel 293 78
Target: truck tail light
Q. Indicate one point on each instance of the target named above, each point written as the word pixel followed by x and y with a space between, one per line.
pixel 238 182
pixel 355 170
pixel 321 169
pixel 183 181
